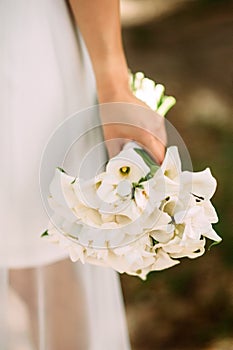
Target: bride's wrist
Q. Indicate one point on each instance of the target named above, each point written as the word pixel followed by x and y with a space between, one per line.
pixel 112 79
pixel 110 92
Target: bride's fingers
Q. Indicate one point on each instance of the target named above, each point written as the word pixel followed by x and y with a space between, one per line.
pixel 113 147
pixel 154 143
pixel 155 148
pixel 118 135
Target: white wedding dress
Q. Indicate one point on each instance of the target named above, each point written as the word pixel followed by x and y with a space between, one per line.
pixel 45 76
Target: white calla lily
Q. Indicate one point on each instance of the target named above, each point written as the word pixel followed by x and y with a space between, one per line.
pixel 127 165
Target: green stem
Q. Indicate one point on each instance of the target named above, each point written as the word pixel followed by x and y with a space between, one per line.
pixel 148 160
pixel 167 103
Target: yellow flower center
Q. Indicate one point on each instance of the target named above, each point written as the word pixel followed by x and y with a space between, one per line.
pixel 125 170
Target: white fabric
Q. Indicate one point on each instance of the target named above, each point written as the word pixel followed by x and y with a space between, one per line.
pixel 45 76
pixel 108 329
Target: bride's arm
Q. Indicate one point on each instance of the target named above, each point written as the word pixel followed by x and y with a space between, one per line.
pixel 99 23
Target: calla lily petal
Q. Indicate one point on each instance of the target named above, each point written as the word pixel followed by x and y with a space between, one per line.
pixel 163 261
pixel 171 165
pixel 202 184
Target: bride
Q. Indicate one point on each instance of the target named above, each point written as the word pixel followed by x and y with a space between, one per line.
pixel 47 73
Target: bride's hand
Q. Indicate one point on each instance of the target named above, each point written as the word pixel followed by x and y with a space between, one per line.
pixel 124 117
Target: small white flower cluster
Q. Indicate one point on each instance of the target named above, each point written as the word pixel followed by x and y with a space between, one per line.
pixel 151 93
pixel 135 217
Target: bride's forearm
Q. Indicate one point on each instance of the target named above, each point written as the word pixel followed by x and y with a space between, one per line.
pixel 99 23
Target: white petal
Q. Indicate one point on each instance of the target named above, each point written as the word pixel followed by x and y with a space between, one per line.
pixel 163 261
pixel 211 234
pixel 190 248
pixel 141 198
pixel 131 211
pixel 160 219
pixel 173 246
pixel 115 238
pixel 201 184
pixel 63 211
pixel 184 216
pixel 210 211
pixel 71 228
pixel 107 193
pixel 114 208
pixel 171 165
pixel 108 218
pixel 76 253
pixel 191 231
pixel 85 192
pixel 61 189
pixel 162 236
pixel 88 216
pixel 128 158
pixel 124 188
pixel 122 220
pixel 108 178
pixel 163 186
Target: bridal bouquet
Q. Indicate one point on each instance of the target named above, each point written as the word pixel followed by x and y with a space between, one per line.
pixel 136 216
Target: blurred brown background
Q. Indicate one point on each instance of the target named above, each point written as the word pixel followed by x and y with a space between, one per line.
pixel 187 46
